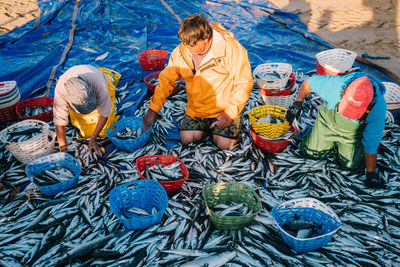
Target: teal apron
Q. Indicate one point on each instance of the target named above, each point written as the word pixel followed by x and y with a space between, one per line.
pixel 333 134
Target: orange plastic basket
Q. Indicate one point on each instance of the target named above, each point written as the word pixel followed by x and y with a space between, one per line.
pixel 269 145
pixel 148 161
pixel 152 87
pixel 152 59
pixel 43 101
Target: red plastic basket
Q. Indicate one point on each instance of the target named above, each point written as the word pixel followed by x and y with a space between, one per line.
pixel 43 101
pixel 152 87
pixel 275 92
pixel 271 146
pixel 169 186
pixel 321 70
pixel 8 113
pixel 152 59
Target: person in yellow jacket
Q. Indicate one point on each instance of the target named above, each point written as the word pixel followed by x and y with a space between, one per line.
pixel 87 95
pixel 218 80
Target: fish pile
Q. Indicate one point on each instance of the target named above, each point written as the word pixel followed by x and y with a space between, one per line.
pixel 78 228
pixel 271 76
pixel 33 111
pixel 54 176
pixel 271 119
pixel 160 172
pixel 128 133
pixel 21 134
pixel 232 209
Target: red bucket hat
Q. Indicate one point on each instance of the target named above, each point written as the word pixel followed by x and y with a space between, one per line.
pixel 356 98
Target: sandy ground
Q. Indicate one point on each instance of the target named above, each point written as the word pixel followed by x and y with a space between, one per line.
pixel 364 26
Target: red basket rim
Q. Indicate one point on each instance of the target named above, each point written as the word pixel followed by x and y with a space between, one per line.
pixel 45 116
pixel 274 146
pixel 152 87
pixel 169 186
pixel 277 92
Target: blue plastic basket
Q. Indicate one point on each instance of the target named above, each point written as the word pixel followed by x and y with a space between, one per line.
pixel 47 162
pixel 142 194
pixel 307 209
pixel 128 145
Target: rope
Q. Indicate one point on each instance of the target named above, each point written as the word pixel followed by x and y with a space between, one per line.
pixel 172 12
pixel 66 49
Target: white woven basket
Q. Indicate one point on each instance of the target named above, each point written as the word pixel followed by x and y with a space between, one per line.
pixel 392 95
pixel 26 158
pixel 282 101
pixel 13 99
pixel 26 150
pixel 262 72
pixel 337 60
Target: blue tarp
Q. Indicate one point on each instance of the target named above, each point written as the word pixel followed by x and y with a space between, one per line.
pixel 124 28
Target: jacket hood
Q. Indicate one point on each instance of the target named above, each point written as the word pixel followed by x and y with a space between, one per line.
pixel 379 88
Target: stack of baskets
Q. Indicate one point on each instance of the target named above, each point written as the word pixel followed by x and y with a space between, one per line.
pixel 262 132
pixel 48 162
pixel 280 90
pixel 129 145
pixel 225 193
pixel 9 97
pixel 32 148
pixel 44 101
pixel 392 97
pixel 149 161
pixel 334 61
pixel 306 210
pixel 151 87
pixel 147 195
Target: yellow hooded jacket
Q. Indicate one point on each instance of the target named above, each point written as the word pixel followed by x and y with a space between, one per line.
pixel 223 82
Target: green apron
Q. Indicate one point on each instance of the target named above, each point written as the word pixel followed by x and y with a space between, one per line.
pixel 333 134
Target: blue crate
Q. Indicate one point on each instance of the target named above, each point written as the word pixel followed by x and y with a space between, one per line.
pixel 142 194
pixel 128 145
pixel 47 162
pixel 307 209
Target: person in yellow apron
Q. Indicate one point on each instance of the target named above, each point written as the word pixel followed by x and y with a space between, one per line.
pixel 87 95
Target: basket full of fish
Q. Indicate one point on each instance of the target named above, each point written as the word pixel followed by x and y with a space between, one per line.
pixel 39 108
pixel 273 145
pixel 305 224
pixel 274 78
pixel 138 204
pixel 28 140
pixel 231 205
pixel 269 121
pixel 168 170
pixel 128 134
pixel 54 173
pixel 152 80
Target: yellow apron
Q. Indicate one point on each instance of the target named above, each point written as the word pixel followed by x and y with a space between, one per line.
pixel 86 123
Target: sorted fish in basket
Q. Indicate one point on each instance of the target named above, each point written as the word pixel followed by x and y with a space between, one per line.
pixel 133 212
pixel 154 81
pixel 162 172
pixel 271 119
pixel 301 228
pixel 284 137
pixel 232 209
pixel 53 176
pixel 22 134
pixel 128 133
pixel 33 111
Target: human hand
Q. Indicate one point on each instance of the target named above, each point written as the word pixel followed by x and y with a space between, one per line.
pixel 93 146
pixel 149 118
pixel 294 111
pixel 223 121
pixel 373 181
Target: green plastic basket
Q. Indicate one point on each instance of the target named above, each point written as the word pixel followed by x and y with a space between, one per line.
pixel 226 193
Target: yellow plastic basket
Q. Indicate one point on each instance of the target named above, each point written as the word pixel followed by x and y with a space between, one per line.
pixel 269 130
pixel 111 73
